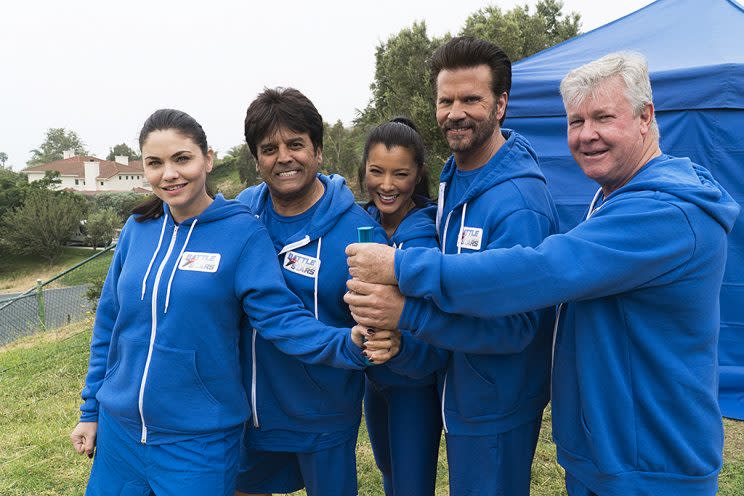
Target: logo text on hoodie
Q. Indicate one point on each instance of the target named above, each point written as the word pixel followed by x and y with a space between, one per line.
pixel 470 238
pixel 199 262
pixel 301 264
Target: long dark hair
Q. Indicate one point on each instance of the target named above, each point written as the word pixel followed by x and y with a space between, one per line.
pixel 400 131
pixel 162 120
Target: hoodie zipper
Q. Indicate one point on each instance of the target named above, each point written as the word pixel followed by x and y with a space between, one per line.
pixel 153 332
pixel 254 409
pixel 589 214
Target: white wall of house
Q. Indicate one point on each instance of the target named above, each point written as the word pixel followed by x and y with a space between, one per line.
pixel 119 182
pixel 67 181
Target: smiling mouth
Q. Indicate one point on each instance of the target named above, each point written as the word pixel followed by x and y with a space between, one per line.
pixel 594 153
pixel 290 173
pixel 387 198
pixel 175 187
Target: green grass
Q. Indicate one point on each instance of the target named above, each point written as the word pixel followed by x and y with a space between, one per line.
pixel 40 382
pixel 20 272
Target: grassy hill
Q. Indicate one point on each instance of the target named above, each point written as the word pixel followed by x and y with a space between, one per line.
pixel 20 272
pixel 40 382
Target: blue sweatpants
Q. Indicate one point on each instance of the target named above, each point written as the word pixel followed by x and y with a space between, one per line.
pixel 326 472
pixel 497 465
pixel 404 428
pixel 202 466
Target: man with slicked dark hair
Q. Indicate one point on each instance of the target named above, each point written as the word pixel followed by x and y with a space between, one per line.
pixel 491 195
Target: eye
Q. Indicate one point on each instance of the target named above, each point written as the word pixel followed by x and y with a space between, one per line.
pixel 297 145
pixel 575 122
pixel 153 163
pixel 268 150
pixel 443 102
pixel 402 174
pixel 182 159
pixel 472 99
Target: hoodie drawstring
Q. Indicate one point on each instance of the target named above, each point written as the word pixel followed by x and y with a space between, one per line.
pixel 462 226
pixel 317 274
pixel 154 255
pixel 175 266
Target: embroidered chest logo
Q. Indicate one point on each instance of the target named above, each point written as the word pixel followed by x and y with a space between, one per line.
pixel 301 264
pixel 470 238
pixel 199 262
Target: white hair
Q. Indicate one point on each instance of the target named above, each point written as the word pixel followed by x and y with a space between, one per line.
pixel 630 67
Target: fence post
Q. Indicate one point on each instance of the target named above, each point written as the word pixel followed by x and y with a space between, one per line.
pixel 40 303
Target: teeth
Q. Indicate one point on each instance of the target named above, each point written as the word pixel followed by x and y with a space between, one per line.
pixel 387 197
pixel 288 173
pixel 173 188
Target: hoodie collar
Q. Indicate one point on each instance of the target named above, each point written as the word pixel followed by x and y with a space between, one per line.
pixel 515 159
pixel 336 200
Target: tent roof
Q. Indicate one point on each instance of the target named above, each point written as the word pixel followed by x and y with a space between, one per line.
pixel 695 52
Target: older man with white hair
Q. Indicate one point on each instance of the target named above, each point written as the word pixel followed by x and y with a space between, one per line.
pixel 637 283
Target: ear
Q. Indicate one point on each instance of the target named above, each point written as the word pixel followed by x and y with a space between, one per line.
pixel 501 105
pixel 319 154
pixel 210 160
pixel 647 117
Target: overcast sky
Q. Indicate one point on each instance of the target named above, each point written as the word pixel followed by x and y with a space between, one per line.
pixel 100 68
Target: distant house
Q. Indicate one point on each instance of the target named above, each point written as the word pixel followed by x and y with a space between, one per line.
pixel 91 175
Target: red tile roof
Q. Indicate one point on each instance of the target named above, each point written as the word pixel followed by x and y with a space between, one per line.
pixel 73 166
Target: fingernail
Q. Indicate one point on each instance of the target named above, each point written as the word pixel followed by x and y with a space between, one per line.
pixel 370 331
pixel 364 346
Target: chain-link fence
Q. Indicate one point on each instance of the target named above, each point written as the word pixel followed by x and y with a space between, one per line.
pixel 43 308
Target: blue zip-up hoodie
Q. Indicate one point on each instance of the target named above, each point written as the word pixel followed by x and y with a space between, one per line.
pixel 497 376
pixel 286 393
pixel 416 229
pixel 164 358
pixel 635 376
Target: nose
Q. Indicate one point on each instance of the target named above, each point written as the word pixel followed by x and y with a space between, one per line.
pixel 387 183
pixel 457 111
pixel 283 155
pixel 170 172
pixel 588 131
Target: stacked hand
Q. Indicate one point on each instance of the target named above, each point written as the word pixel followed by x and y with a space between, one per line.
pixel 375 302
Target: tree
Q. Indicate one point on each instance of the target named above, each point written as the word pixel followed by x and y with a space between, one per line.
pixel 43 224
pixel 57 141
pixel 402 87
pixel 3 158
pixel 342 152
pixel 121 203
pixel 13 186
pixel 101 227
pixel 521 33
pixel 244 161
pixel 122 150
pixel 401 84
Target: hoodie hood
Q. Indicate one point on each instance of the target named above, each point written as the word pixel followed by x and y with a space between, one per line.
pixel 418 223
pixel 690 182
pixel 515 159
pixel 336 200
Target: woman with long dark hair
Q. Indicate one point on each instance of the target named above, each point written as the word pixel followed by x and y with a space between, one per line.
pixel 164 401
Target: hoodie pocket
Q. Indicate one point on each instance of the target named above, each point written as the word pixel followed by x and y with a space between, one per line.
pixel 119 392
pixel 489 385
pixel 176 397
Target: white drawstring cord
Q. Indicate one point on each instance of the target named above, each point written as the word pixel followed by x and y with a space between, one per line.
pixel 175 266
pixel 154 255
pixel 317 274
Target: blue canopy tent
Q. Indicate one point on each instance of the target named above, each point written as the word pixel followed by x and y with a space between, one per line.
pixel 695 52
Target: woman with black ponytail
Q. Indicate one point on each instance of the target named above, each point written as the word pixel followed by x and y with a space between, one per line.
pixel 402 412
